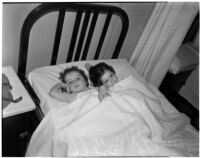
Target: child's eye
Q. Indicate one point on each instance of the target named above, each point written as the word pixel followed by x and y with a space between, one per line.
pixel 106 81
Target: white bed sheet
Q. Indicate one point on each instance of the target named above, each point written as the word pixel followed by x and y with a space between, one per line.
pixel 42 79
pixel 133 121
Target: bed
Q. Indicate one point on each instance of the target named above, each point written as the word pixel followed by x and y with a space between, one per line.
pixel 137 120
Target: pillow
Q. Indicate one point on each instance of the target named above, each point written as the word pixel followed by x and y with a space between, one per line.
pixel 186 58
pixel 43 78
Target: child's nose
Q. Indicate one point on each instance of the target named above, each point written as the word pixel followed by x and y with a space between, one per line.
pixel 75 82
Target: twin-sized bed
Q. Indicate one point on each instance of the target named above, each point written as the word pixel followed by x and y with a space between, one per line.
pixel 137 120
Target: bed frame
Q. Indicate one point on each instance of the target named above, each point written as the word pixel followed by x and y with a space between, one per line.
pixel 80 9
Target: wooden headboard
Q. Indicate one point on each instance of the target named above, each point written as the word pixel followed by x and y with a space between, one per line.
pixel 91 11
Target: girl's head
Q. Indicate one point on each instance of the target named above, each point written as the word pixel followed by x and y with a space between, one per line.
pixel 102 74
pixel 75 78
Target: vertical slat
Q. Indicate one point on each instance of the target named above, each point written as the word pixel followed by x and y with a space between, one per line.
pixel 74 36
pixel 82 35
pixel 108 18
pixel 90 34
pixel 118 46
pixel 58 36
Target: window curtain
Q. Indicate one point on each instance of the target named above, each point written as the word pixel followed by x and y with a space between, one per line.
pixel 161 38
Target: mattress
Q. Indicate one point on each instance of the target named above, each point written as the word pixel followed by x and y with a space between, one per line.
pixel 43 78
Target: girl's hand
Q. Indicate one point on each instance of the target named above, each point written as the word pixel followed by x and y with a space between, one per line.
pixel 87 66
pixel 64 88
pixel 61 92
pixel 103 92
pixel 61 87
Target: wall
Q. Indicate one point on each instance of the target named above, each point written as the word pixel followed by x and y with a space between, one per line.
pixel 13 18
pixel 15 14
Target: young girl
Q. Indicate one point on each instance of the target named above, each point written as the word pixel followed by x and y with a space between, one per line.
pixel 74 81
pixel 103 77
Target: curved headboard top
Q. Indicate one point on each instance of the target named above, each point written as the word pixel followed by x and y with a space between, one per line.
pixel 80 9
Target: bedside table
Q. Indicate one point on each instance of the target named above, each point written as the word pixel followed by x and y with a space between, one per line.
pixel 18 119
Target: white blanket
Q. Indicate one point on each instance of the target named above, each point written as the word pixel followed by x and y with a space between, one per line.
pixel 129 123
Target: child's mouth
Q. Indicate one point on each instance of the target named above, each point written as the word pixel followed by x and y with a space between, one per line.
pixel 76 86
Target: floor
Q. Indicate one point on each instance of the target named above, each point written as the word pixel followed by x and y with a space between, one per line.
pixel 16 133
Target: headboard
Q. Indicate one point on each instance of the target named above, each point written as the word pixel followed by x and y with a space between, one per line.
pixel 80 8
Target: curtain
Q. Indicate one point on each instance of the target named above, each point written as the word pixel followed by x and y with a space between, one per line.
pixel 161 38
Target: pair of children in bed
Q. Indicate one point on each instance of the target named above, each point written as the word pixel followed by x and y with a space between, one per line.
pixel 74 80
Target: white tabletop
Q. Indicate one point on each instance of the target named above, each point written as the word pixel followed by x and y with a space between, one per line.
pixel 26 104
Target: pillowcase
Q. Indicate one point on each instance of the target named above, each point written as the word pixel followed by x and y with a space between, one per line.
pixel 186 58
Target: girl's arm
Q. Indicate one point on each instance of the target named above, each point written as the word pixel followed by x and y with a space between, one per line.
pixel 103 92
pixel 57 93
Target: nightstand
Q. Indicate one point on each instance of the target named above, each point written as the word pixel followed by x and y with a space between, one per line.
pixel 18 119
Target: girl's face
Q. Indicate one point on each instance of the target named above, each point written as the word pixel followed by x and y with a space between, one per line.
pixel 109 79
pixel 75 82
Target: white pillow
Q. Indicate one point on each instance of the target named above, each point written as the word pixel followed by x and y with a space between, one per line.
pixel 186 58
pixel 43 78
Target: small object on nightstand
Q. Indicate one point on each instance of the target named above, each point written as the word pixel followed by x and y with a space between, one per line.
pixel 18 105
pixel 7 96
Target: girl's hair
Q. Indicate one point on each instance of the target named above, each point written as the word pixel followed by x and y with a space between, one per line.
pixel 96 72
pixel 73 69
